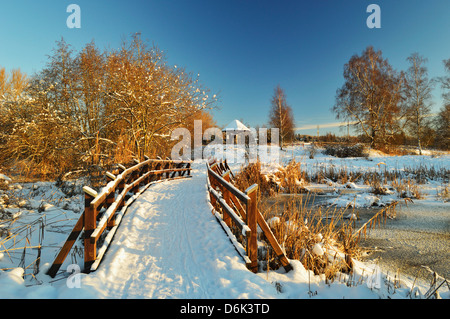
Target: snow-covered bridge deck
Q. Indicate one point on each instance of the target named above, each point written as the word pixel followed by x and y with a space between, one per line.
pixel 169 245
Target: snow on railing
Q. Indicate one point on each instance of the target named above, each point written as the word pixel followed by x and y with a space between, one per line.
pixel 227 198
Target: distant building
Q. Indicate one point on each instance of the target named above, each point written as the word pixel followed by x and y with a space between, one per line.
pixel 233 129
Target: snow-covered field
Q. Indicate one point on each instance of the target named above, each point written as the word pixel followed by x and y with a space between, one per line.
pixel 169 245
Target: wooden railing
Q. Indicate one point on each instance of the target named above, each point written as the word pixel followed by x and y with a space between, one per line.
pixel 240 208
pixel 114 198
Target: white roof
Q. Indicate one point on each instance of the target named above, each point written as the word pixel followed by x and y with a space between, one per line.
pixel 236 126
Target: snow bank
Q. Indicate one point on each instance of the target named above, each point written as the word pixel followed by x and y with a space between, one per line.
pixel 5 178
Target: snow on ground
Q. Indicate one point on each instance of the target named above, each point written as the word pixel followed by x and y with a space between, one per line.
pixel 169 245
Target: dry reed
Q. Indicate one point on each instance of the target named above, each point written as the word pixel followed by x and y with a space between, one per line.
pixel 323 239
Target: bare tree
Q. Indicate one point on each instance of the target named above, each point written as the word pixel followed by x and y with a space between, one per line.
pixel 417 92
pixel 12 90
pixel 445 82
pixel 442 120
pixel 370 96
pixel 281 116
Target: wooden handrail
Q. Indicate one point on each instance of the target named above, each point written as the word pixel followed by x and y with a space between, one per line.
pixel 246 219
pixel 230 187
pixel 238 221
pixel 129 180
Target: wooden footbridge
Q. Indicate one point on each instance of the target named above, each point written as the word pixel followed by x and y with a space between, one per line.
pixel 104 210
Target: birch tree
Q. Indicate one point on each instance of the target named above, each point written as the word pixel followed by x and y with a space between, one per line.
pixel 280 116
pixel 371 96
pixel 442 120
pixel 417 90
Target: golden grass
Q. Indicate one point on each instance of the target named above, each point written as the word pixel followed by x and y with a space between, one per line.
pixel 323 239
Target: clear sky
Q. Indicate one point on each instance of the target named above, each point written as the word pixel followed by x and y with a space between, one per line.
pixel 241 48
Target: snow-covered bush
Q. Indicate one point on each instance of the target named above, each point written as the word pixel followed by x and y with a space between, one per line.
pixel 94 108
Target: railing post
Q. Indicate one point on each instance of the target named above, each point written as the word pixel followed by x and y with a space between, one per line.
pixel 146 170
pixel 189 169
pixel 110 198
pixel 226 197
pixel 168 166
pixel 252 222
pixel 211 184
pixel 90 223
pixel 154 176
pixel 121 186
pixel 135 177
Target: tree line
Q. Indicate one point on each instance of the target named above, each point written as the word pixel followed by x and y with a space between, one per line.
pixel 385 104
pixel 93 108
pixel 386 107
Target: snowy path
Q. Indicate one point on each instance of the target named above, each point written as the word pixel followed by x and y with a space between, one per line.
pixel 169 245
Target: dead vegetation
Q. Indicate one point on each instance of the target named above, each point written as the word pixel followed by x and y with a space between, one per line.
pixel 321 241
pixel 289 179
pixel 324 239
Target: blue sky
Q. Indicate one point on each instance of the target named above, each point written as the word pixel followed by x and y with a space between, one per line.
pixel 241 49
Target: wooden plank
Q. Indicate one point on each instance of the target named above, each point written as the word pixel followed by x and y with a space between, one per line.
pixel 212 199
pixel 110 199
pixel 226 197
pixel 107 216
pixel 90 220
pixel 273 242
pixel 188 166
pixel 188 170
pixel 110 176
pixel 235 191
pixel 137 178
pixel 222 168
pixel 108 189
pixel 59 260
pixel 90 191
pixel 252 243
pixel 228 168
pixel 228 210
pixel 214 167
pixel 239 207
pixel 178 166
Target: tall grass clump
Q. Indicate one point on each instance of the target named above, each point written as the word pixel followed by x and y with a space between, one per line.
pixel 252 174
pixel 289 179
pixel 322 241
